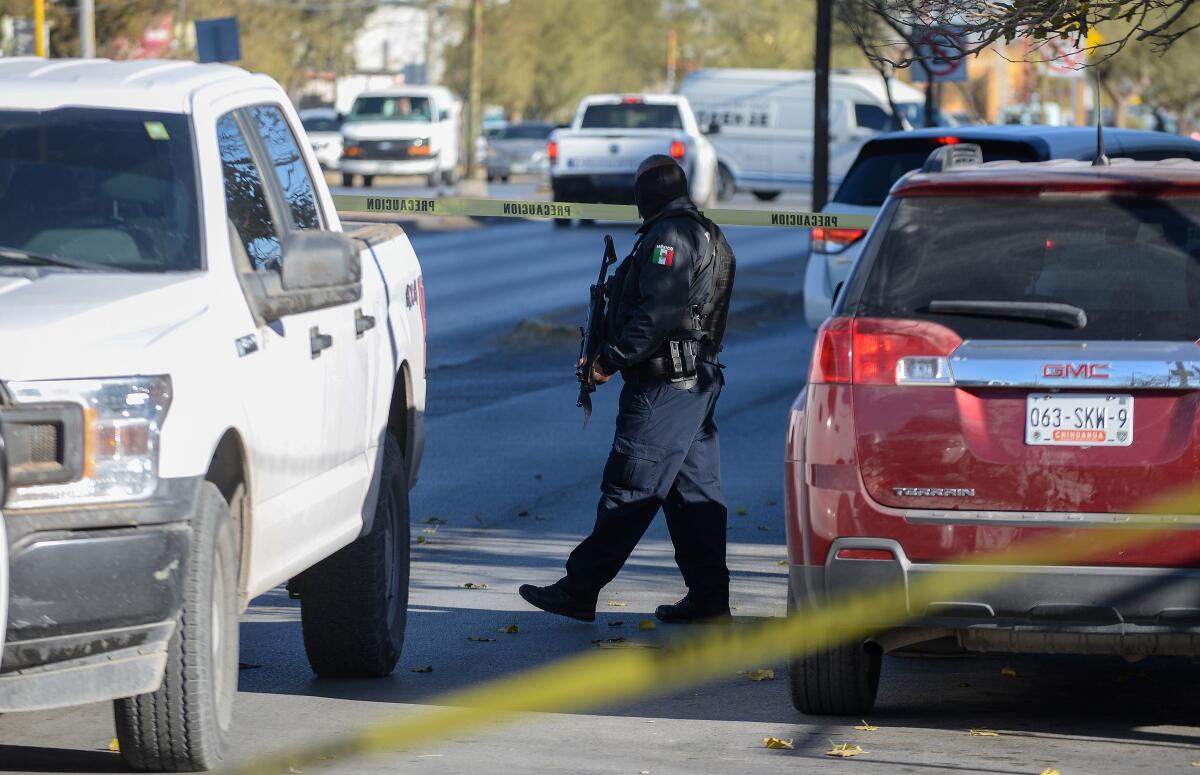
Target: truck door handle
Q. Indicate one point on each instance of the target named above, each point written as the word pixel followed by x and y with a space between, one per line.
pixel 362 323
pixel 318 341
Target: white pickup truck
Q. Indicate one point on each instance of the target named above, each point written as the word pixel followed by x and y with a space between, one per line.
pixel 595 159
pixel 209 386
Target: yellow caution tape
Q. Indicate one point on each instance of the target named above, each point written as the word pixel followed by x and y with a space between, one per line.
pixel 513 208
pixel 604 678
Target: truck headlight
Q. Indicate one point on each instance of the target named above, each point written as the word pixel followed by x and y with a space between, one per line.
pixel 108 451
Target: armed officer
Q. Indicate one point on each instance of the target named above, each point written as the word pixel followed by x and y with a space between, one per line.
pixel 668 302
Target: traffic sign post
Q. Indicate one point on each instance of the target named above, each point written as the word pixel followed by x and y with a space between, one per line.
pixel 940 50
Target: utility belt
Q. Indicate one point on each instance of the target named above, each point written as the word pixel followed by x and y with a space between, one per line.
pixel 678 362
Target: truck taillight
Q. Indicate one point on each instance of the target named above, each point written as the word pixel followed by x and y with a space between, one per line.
pixel 882 351
pixel 632 100
pixel 424 326
pixel 834 240
pixel 678 149
pixel 552 151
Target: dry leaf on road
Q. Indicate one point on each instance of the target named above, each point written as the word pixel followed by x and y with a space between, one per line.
pixel 479 639
pixel 422 540
pixel 114 745
pixel 865 727
pixel 845 750
pixel 473 585
pixel 617 603
pixel 647 624
pixel 605 645
pixel 433 521
pixel 509 630
pixel 1008 672
pixel 775 742
pixel 617 623
pixel 782 562
pixel 618 639
pixel 761 674
pixel 1050 771
pixel 983 733
pixel 741 511
pixel 422 669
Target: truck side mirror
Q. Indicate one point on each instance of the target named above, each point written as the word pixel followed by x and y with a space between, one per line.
pixel 443 115
pixel 713 128
pixel 319 259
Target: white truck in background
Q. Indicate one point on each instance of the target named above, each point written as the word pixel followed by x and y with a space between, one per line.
pixel 209 386
pixel 405 130
pixel 763 121
pixel 594 160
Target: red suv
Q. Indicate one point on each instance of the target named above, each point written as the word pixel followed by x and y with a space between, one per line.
pixel 1013 358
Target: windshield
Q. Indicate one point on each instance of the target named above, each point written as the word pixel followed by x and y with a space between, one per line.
pixel 114 188
pixel 321 124
pixel 526 132
pixel 391 109
pixel 632 115
pixel 1131 264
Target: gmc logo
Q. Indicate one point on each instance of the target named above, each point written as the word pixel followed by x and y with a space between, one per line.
pixel 1075 370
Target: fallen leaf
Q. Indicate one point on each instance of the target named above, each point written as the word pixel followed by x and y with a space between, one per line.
pixel 1196 764
pixel 1050 771
pixel 617 623
pixel 617 603
pixel 479 639
pixel 248 666
pixel 1008 672
pixel 983 733
pixel 429 531
pixel 741 511
pixel 422 540
pixel 522 513
pixel 761 674
pixel 865 727
pixel 113 745
pixel 509 630
pixel 473 585
pixel 434 521
pixel 775 742
pixel 422 669
pixel 782 562
pixel 845 750
pixel 647 624
pixel 618 639
pixel 628 646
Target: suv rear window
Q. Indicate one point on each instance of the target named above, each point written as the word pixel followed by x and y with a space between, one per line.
pixel 631 115
pixel 881 163
pixel 1131 263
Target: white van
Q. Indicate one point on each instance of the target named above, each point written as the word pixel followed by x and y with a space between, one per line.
pixel 407 130
pixel 763 121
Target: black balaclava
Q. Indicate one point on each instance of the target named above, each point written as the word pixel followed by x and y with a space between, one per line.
pixel 659 179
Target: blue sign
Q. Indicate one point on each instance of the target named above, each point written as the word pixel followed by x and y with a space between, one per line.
pixel 218 40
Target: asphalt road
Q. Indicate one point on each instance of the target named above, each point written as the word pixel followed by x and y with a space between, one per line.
pixel 514 476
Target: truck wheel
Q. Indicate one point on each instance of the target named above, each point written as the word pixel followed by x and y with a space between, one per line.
pixel 368 181
pixel 347 180
pixel 840 681
pixel 354 604
pixel 450 177
pixel 766 196
pixel 726 188
pixel 431 179
pixel 184 726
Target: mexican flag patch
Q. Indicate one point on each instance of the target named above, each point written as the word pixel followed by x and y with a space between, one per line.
pixel 664 255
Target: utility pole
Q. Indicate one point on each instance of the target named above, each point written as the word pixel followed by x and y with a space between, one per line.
pixel 39 27
pixel 672 46
pixel 87 28
pixel 476 66
pixel 820 158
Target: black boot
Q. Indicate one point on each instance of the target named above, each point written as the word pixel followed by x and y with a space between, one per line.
pixel 556 599
pixel 691 611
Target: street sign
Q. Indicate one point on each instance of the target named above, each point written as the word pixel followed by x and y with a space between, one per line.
pixel 941 50
pixel 1065 58
pixel 218 40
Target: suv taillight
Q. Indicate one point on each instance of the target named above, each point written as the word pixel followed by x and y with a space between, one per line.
pixel 552 151
pixel 826 240
pixel 883 351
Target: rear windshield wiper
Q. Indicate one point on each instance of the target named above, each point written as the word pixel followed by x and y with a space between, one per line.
pixel 1047 311
pixel 22 256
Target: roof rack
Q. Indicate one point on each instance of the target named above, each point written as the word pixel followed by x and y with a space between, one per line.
pixel 951 157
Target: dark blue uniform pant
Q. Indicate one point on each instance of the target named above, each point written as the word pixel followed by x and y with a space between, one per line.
pixel 665 455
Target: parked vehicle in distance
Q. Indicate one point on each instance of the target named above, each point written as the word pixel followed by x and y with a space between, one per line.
pixel 1012 364
pixel 324 129
pixel 408 130
pixel 518 149
pixel 594 160
pixel 765 142
pixel 226 393
pixel 883 160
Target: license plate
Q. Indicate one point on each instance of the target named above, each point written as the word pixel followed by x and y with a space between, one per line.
pixel 1065 420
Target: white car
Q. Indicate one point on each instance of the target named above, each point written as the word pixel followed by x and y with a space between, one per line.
pixel 406 130
pixel 594 160
pixel 209 386
pixel 324 129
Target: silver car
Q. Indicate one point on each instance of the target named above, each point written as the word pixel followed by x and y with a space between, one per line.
pixel 324 129
pixel 518 149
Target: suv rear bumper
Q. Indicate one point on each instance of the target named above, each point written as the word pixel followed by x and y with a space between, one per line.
pixel 95 593
pixel 1039 609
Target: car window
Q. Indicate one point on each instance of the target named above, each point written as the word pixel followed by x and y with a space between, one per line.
pixel 402 108
pixel 245 200
pixel 1132 264
pixel 115 188
pixel 525 132
pixel 290 168
pixel 631 115
pixel 872 117
pixel 321 124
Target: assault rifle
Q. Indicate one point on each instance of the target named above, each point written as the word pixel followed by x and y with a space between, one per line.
pixel 591 331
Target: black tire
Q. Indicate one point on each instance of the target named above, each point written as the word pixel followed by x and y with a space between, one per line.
pixel 450 177
pixel 562 223
pixel 354 604
pixel 726 188
pixel 491 178
pixel 766 196
pixel 840 681
pixel 504 178
pixel 184 726
pixel 431 179
pixel 347 180
pixel 368 181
